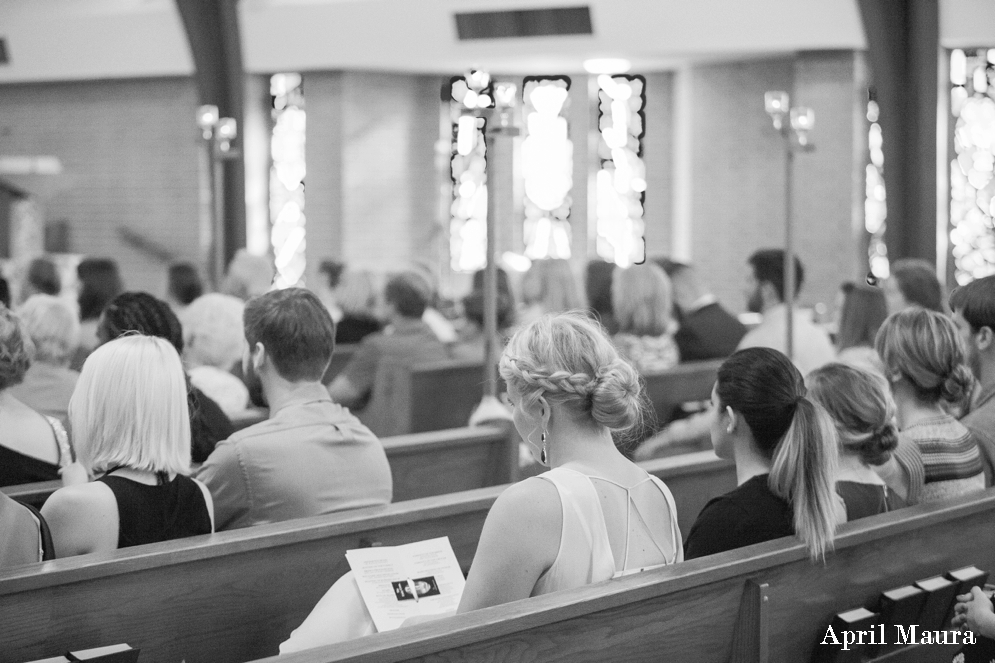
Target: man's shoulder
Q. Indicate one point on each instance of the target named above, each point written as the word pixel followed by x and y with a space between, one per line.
pixel 316 417
pixel 982 419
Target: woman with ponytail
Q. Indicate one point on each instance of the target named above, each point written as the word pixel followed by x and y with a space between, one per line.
pixel 785 448
pixel 923 356
pixel 860 406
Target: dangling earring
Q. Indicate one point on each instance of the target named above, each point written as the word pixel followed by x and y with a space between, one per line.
pixel 542 453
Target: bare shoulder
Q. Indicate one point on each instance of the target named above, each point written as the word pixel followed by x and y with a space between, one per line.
pixel 533 499
pixel 80 499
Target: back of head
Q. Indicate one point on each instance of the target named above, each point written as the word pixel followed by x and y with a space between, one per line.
pixel 100 282
pixel 568 359
pixel 864 309
pixel 473 309
pixel 797 435
pixel 184 283
pixel 331 271
pixel 598 286
pixel 142 313
pixel 768 267
pixel 212 331
pixel 16 349
pixel 296 330
pixel 923 347
pixel 409 293
pixel 130 407
pixel 43 277
pixel 53 327
pixel 248 275
pixel 356 293
pixel 918 282
pixel 550 283
pixel 642 300
pixel 861 407
pixel 976 303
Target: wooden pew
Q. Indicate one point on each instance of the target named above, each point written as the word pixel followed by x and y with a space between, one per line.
pixel 767 603
pixel 684 383
pixel 423 397
pixel 340 358
pixel 422 464
pixel 233 596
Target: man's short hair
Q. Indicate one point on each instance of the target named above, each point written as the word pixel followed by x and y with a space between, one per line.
pixel 768 265
pixel 916 279
pixel 184 282
pixel 409 294
pixel 976 303
pixel 296 330
pixel 332 271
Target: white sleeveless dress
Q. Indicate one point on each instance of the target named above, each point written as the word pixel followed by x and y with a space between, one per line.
pixel 585 554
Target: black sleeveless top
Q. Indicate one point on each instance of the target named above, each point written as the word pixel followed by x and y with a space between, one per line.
pixel 150 514
pixel 17 468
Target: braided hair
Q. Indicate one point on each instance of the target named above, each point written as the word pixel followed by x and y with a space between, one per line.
pixel 141 312
pixel 568 358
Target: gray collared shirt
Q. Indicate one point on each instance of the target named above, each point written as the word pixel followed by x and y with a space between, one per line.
pixel 310 457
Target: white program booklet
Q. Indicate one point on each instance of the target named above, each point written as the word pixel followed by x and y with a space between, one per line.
pixel 414 580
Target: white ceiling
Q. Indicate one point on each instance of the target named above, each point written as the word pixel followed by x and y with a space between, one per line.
pixel 86 39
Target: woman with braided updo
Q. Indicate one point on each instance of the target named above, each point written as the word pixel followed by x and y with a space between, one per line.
pixel 923 356
pixel 860 406
pixel 594 515
pixel 785 448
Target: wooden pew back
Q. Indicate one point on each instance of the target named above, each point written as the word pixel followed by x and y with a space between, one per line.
pixel 764 603
pixel 233 596
pixel 422 464
pixel 423 397
pixel 684 383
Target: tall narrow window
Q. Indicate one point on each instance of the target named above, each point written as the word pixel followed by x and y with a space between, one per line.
pixel 468 217
pixel 875 207
pixel 621 181
pixel 286 184
pixel 972 187
pixel 547 167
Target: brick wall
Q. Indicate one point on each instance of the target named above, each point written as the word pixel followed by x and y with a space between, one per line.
pixel 130 153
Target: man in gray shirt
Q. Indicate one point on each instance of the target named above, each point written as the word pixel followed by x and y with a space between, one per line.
pixel 974 312
pixel 311 456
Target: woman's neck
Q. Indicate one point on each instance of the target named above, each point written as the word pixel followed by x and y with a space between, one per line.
pixel 147 477
pixel 588 445
pixel 852 468
pixel 749 461
pixel 909 408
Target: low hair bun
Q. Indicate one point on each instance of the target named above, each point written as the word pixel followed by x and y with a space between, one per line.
pixel 615 397
pixel 878 448
pixel 958 384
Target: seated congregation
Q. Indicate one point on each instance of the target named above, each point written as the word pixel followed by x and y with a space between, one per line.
pixel 817 440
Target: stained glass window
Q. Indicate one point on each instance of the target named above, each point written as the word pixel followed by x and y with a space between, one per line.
pixel 287 179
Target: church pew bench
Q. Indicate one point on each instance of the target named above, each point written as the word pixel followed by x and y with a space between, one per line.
pixel 422 464
pixel 423 397
pixel 233 596
pixel 684 383
pixel 34 494
pixel 438 395
pixel 766 603
pixel 340 359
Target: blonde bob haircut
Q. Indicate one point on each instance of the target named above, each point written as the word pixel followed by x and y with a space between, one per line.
pixel 642 300
pixel 129 408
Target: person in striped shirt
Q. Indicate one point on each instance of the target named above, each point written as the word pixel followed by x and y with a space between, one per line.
pixel 924 362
